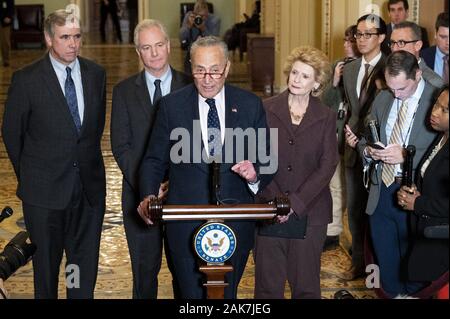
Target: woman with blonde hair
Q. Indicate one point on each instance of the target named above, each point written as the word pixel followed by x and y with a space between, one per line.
pixel 291 247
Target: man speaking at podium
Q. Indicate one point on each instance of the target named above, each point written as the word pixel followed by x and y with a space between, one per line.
pixel 206 107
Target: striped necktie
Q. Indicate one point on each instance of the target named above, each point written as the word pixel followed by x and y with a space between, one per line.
pixel 388 174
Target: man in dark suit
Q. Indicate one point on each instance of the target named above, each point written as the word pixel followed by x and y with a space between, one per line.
pixel 398 12
pixel 361 78
pixel 407 36
pixel 134 109
pixel 109 7
pixel 201 118
pixel 6 19
pixel 436 57
pixel 52 128
pixel 401 111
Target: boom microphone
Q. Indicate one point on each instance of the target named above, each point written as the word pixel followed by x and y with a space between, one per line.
pixel 6 212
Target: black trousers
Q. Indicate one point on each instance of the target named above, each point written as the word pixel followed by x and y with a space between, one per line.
pixel 76 231
pixel 112 10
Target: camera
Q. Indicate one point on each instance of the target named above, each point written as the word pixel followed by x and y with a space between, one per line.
pixel 343 294
pixel 198 20
pixel 16 254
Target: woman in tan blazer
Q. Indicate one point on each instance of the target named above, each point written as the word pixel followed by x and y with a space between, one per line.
pixel 291 247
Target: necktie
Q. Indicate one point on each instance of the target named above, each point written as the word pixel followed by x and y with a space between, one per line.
pixel 158 94
pixel 364 85
pixel 214 136
pixel 388 174
pixel 445 70
pixel 71 98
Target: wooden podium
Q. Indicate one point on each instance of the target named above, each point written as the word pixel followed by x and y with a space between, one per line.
pixel 215 214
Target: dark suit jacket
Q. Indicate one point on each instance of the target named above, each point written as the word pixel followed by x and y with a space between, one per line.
pixel 357 112
pixel 429 257
pixel 190 182
pixel 6 11
pixel 132 118
pixel 429 55
pixel 306 160
pixel 42 141
pixel 385 48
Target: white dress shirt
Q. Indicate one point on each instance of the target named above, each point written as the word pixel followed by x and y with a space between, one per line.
pixel 61 74
pixel 166 81
pixel 362 71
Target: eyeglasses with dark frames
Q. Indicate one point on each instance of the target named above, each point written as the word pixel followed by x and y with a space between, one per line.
pixel 367 35
pixel 214 75
pixel 400 43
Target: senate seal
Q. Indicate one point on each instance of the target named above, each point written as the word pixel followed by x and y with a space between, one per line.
pixel 215 243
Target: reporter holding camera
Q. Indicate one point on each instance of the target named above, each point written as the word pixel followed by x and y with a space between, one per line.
pixel 197 23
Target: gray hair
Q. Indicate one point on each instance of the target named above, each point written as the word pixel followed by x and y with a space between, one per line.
pixel 415 29
pixel 209 41
pixel 60 18
pixel 147 24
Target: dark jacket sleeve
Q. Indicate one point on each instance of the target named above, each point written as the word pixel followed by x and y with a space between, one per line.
pixel 15 119
pixel 321 177
pixel 121 137
pixel 156 159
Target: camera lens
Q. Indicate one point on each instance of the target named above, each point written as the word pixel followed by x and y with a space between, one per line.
pixel 343 294
pixel 16 254
pixel 198 20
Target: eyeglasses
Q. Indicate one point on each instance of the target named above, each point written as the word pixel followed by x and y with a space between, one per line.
pixel 364 35
pixel 400 43
pixel 214 75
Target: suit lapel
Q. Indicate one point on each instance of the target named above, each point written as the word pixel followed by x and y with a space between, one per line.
pixel 54 87
pixel 86 80
pixel 353 79
pixel 384 117
pixel 142 94
pixel 421 113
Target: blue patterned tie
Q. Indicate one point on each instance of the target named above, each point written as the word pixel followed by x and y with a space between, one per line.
pixel 71 98
pixel 214 136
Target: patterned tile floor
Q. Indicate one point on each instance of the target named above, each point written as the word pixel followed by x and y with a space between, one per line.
pixel 114 278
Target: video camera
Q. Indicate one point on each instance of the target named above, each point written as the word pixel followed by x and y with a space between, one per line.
pixel 17 252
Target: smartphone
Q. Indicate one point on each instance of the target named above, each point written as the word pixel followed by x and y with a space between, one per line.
pixel 376 146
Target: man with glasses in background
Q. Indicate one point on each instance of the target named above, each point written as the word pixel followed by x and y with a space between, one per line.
pixel 398 11
pixel 361 78
pixel 205 110
pixel 134 106
pixel 407 36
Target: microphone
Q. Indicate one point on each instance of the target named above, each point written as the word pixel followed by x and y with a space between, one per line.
pixel 215 182
pixel 408 166
pixel 374 131
pixel 6 212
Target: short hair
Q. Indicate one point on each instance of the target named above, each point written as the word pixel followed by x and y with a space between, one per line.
pixel 209 41
pixel 405 3
pixel 402 61
pixel 147 24
pixel 60 18
pixel 350 31
pixel 314 58
pixel 375 19
pixel 201 5
pixel 442 20
pixel 415 29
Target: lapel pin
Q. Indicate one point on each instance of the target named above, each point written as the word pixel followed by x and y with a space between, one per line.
pixel 234 110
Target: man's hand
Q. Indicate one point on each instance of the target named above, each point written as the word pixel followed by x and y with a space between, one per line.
pixel 7 20
pixel 143 209
pixel 163 190
pixel 350 138
pixel 246 170
pixel 392 154
pixel 406 197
